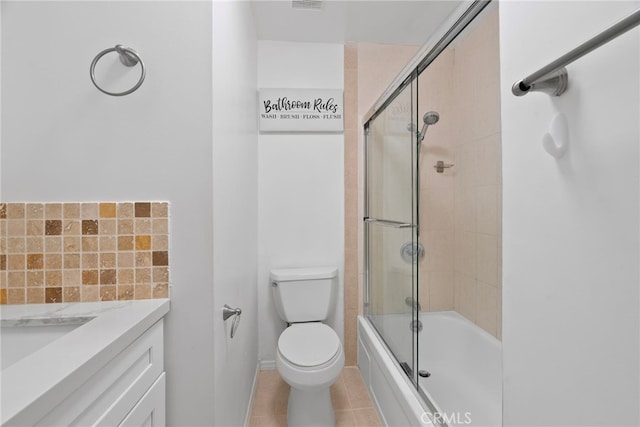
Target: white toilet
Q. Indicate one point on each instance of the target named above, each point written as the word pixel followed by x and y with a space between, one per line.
pixel 310 356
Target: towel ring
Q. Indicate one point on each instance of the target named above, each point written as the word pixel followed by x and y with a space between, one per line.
pixel 128 57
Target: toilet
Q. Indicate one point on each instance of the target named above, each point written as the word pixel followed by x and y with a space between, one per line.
pixel 309 356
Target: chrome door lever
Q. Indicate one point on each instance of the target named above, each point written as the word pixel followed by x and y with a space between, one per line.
pixel 228 312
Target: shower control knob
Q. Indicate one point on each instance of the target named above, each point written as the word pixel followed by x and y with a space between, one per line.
pixel 424 374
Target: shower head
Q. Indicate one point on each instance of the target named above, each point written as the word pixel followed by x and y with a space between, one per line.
pixel 429 118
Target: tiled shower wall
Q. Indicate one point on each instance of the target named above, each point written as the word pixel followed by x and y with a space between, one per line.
pixel 460 209
pixel 478 183
pixel 351 194
pixel 71 252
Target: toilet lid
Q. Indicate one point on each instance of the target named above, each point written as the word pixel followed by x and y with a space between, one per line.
pixel 308 344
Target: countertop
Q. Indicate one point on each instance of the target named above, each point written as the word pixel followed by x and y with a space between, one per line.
pixel 37 383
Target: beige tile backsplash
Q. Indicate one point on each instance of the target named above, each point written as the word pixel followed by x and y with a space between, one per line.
pixel 71 252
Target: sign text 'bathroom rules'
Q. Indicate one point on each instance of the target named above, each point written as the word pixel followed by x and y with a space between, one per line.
pixel 301 110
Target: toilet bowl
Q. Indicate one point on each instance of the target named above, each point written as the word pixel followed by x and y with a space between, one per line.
pixel 310 359
pixel 309 356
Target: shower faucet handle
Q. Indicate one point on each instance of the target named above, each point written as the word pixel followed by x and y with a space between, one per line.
pixel 440 166
pixel 415 305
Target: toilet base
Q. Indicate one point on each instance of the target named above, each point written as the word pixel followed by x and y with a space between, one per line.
pixel 310 408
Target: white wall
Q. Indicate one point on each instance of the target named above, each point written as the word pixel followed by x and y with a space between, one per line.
pixel 300 183
pixel 571 235
pixel 1 100
pixel 235 208
pixel 63 140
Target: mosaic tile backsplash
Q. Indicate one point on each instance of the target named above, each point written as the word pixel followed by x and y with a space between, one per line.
pixel 71 252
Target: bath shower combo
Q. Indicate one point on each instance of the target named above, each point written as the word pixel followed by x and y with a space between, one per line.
pixel 425 364
pixel 407 345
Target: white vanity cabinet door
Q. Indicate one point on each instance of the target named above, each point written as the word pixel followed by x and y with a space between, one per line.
pixel 150 409
pixel 108 396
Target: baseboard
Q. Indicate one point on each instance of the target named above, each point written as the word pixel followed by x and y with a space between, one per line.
pixel 247 416
pixel 267 365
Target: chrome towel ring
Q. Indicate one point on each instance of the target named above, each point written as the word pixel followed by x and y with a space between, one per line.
pixel 129 58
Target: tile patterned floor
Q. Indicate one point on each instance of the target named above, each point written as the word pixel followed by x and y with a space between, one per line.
pixel 349 394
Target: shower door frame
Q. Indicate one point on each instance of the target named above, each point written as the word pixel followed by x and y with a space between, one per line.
pixel 443 37
pixel 411 85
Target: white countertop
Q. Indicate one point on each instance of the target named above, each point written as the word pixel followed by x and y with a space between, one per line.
pixel 41 380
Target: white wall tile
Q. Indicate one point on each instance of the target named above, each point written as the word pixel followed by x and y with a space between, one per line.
pixel 465 252
pixel 488 158
pixel 487 259
pixel 441 290
pixel 465 295
pixel 487 308
pixel 487 209
pixel 439 250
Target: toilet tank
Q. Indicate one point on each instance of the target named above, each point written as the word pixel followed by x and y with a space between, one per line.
pixel 304 294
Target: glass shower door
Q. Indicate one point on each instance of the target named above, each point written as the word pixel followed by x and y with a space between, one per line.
pixel 390 227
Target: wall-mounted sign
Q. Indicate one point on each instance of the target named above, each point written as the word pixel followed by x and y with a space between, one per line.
pixel 301 110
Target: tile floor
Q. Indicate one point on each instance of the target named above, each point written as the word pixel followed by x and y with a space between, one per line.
pixel 349 394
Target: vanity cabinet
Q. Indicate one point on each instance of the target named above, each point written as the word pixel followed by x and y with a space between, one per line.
pixel 149 411
pixel 129 390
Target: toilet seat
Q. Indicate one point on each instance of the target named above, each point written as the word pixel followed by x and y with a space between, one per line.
pixel 308 344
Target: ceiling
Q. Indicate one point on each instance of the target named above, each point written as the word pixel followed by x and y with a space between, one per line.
pixel 337 21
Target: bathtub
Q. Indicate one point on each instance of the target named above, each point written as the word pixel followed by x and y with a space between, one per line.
pixel 465 363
